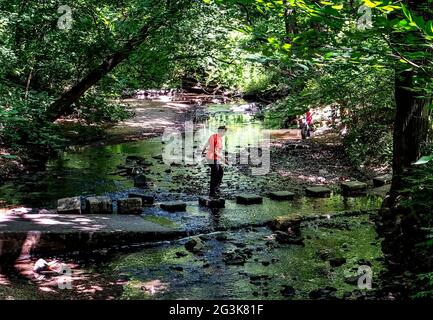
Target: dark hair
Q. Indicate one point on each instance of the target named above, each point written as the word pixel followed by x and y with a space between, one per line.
pixel 222 128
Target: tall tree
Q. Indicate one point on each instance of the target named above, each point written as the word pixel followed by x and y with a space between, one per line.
pixel 162 13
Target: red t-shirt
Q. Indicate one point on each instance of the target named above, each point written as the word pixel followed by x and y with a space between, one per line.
pixel 215 146
pixel 309 117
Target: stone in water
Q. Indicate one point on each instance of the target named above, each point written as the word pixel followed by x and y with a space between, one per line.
pixel 281 195
pixel 69 205
pixel 249 199
pixel 211 202
pixel 145 199
pixel 382 180
pixel 99 205
pixel 129 206
pixel 353 187
pixel 173 206
pixel 319 192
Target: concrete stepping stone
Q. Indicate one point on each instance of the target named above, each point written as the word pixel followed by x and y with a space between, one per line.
pixel 380 191
pixel 99 205
pixel 284 223
pixel 69 205
pixel 212 202
pixel 145 199
pixel 129 206
pixel 382 180
pixel 353 187
pixel 173 206
pixel 140 181
pixel 281 195
pixel 249 199
pixel 318 192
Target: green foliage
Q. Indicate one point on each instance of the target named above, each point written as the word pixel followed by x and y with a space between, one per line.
pixel 23 122
pixel 419 200
pixel 424 160
pixel 95 107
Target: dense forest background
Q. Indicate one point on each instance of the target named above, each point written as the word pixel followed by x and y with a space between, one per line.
pixel 372 60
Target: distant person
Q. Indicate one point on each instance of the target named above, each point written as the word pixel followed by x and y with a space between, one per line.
pixel 306 125
pixel 215 158
pixel 309 118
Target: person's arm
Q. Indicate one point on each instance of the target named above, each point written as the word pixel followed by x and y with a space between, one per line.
pixel 205 147
pixel 220 156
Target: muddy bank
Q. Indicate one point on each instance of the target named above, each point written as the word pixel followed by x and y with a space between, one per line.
pixel 148 119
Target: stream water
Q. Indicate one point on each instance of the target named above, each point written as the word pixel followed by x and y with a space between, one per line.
pixel 167 270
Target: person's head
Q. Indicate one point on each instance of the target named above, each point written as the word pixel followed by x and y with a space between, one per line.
pixel 222 130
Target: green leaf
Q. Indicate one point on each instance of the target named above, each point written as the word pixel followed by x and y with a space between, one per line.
pixel 424 160
pixel 8 156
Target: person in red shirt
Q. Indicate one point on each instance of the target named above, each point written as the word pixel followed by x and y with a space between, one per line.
pixel 306 125
pixel 215 158
pixel 309 118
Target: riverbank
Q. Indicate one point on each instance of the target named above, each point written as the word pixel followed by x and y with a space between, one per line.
pixel 149 119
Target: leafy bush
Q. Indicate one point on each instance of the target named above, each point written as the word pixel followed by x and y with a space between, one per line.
pixel 23 122
pixel 369 142
pixel 96 108
pixel 419 200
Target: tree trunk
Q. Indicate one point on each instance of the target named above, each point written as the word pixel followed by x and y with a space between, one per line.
pixel 290 24
pixel 399 225
pixel 62 106
pixel 410 128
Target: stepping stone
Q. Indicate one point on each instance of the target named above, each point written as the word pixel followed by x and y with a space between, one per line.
pixel 129 206
pixel 173 206
pixel 145 199
pixel 69 205
pixel 99 205
pixel 318 192
pixel 353 187
pixel 284 223
pixel 249 199
pixel 140 181
pixel 285 238
pixel 211 202
pixel 382 180
pixel 281 195
pixel 380 191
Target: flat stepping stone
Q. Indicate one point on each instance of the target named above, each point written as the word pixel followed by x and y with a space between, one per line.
pixel 380 191
pixel 99 205
pixel 318 192
pixel 173 206
pixel 129 206
pixel 281 195
pixel 145 199
pixel 284 223
pixel 382 180
pixel 140 181
pixel 353 187
pixel 69 205
pixel 249 199
pixel 212 202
